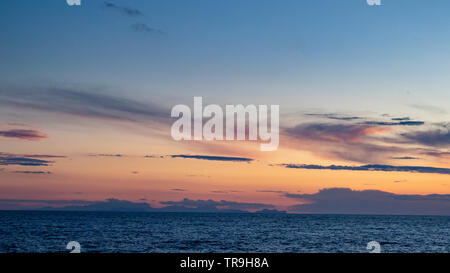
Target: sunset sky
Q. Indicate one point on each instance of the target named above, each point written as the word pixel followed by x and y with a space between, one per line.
pixel 86 94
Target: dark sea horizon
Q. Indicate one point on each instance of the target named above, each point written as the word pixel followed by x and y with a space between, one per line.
pixel 192 232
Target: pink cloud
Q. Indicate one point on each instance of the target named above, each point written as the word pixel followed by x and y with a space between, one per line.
pixel 24 134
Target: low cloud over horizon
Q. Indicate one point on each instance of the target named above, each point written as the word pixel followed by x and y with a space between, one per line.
pixel 325 201
pixel 348 201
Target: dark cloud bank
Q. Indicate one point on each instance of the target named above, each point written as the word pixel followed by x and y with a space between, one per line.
pixel 347 201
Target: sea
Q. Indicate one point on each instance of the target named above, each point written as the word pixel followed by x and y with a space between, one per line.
pixel 158 232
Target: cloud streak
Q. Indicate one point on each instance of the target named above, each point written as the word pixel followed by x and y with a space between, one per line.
pixel 403 121
pixel 82 104
pixel 178 190
pixel 368 141
pixel 434 137
pixel 27 160
pixel 371 167
pixel 399 123
pixel 23 134
pixel 333 132
pixel 213 158
pixel 23 161
pixel 430 109
pixel 32 172
pixel 404 157
pixel 106 155
pixel 333 116
pixel 348 141
pixel 133 12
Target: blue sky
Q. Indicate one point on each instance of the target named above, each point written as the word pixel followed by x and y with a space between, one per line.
pixel 337 55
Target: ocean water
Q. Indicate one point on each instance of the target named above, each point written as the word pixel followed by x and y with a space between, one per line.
pixel 33 231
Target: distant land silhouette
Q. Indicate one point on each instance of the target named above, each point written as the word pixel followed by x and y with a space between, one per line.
pixel 128 206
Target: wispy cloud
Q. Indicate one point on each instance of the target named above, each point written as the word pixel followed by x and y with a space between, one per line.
pixel 401 119
pixel 23 134
pixel 437 154
pixel 271 191
pixel 141 27
pixel 333 116
pixel 404 157
pixel 429 108
pixel 373 167
pixel 23 161
pixel 133 12
pixel 178 190
pixel 400 181
pixel 153 156
pixel 83 104
pixel 41 156
pixel 26 160
pixel 33 172
pixel 348 201
pixel 21 131
pixel 333 132
pixel 368 140
pixel 213 158
pixel 106 155
pixel 348 141
pixel 129 11
pixel 434 137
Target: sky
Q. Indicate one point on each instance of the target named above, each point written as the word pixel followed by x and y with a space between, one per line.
pixel 86 94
